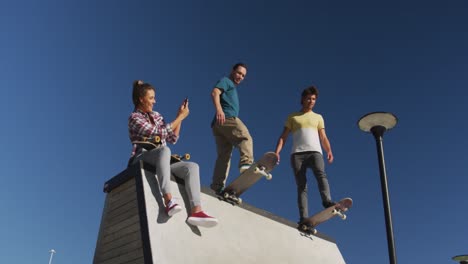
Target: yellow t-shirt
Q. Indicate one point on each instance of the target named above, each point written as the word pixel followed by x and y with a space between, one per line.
pixel 304 128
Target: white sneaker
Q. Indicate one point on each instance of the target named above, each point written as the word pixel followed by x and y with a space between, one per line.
pixel 173 208
pixel 244 167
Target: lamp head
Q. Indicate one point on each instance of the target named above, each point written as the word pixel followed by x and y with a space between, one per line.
pixel 377 121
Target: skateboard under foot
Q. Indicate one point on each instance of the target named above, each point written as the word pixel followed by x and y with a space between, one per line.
pixel 231 198
pixel 309 225
pixel 249 177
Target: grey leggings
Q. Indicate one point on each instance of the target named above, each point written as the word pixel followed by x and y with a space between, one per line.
pixel 188 171
pixel 300 162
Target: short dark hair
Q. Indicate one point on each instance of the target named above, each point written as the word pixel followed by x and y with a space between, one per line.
pixel 311 90
pixel 139 90
pixel 237 65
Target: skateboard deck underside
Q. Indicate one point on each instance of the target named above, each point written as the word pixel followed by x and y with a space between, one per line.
pixel 327 214
pixel 250 177
pixel 243 182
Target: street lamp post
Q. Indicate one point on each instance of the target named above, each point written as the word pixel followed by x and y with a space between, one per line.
pixel 52 252
pixel 462 259
pixel 377 123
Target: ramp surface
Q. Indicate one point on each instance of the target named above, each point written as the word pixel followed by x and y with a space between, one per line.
pixel 244 234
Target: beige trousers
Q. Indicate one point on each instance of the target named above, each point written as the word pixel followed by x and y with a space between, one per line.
pixel 233 133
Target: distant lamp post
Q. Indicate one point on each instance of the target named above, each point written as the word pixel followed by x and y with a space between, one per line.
pixel 52 252
pixel 377 123
pixel 462 259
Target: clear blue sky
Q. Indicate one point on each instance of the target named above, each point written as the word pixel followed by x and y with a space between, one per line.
pixel 66 69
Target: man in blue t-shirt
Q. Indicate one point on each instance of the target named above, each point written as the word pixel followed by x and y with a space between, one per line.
pixel 229 131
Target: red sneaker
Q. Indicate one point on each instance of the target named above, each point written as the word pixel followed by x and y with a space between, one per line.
pixel 202 219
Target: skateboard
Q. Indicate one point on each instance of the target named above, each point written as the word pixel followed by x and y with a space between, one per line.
pixel 339 209
pixel 177 158
pixel 249 177
pixel 149 143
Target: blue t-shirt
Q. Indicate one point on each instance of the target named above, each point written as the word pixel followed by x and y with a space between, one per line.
pixel 229 99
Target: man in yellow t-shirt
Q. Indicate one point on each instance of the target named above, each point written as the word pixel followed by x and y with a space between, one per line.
pixel 308 133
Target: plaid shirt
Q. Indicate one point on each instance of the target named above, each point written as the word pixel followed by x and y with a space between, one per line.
pixel 141 127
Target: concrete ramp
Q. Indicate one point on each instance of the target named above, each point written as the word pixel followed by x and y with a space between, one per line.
pixel 135 229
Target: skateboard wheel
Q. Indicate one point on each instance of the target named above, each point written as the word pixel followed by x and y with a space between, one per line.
pixel 157 139
pixel 314 231
pixel 187 156
pixel 268 176
pixel 304 228
pixel 334 212
pixel 343 216
pixel 239 200
pixel 256 170
pixel 226 195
